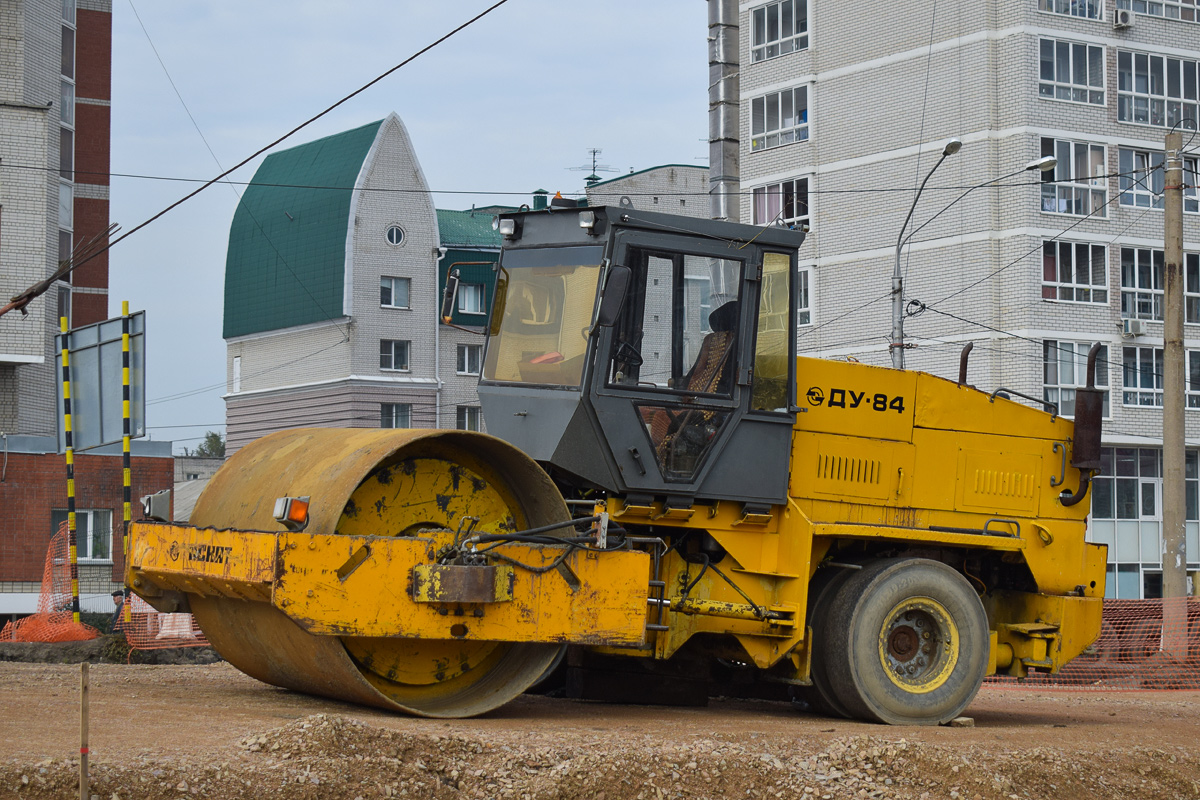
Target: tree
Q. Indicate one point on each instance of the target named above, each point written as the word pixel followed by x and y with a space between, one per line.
pixel 213 446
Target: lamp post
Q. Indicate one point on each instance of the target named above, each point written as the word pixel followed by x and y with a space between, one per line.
pixel 1043 164
pixel 897 345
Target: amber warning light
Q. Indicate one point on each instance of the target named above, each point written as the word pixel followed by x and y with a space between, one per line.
pixel 292 512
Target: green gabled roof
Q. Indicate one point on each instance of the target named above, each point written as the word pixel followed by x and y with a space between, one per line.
pixel 287 244
pixel 467 229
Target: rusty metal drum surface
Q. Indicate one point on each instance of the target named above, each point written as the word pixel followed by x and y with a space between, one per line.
pixel 377 483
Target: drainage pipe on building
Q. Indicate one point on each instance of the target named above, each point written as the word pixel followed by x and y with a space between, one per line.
pixel 724 181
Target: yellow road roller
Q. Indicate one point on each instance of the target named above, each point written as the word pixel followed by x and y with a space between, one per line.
pixel 664 480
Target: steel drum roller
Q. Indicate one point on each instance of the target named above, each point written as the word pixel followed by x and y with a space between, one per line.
pixel 377 483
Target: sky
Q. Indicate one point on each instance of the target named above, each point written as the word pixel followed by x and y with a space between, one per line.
pixel 509 105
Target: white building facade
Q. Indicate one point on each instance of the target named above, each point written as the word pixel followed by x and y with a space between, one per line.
pixel 332 297
pixel 845 111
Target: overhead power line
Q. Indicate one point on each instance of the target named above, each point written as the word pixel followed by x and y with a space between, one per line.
pixel 519 193
pixel 281 139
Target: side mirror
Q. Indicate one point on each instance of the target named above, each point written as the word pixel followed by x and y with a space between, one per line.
pixel 448 296
pixel 614 295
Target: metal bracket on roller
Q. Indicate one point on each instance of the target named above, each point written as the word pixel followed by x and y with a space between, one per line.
pixel 452 583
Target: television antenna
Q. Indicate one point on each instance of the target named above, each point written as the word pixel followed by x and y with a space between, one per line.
pixel 595 168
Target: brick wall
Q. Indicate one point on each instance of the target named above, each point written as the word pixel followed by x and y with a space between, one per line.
pixel 93 54
pixel 91 218
pixel 92 131
pixel 36 484
pixel 93 94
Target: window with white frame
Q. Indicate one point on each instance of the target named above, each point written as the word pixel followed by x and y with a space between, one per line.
pixel 1065 370
pixel 393 354
pixel 1077 184
pixel 67 94
pixel 1193 379
pixel 64 301
pixel 785 202
pixel 1191 288
pixel 1156 90
pixel 1191 185
pixel 93 532
pixel 777 29
pixel 1088 9
pixel 1116 490
pixel 804 296
pixel 66 149
pixel 1141 177
pixel 470 298
pixel 1129 487
pixel 1142 376
pixel 1074 271
pixel 779 118
pixel 1141 283
pixel 1187 10
pixel 395 415
pixel 469 418
pixel 394 292
pixel 469 358
pixel 1071 71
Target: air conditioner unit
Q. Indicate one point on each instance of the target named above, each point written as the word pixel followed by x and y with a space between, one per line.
pixel 1122 19
pixel 1132 327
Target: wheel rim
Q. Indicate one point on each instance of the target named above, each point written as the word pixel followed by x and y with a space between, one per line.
pixel 918 645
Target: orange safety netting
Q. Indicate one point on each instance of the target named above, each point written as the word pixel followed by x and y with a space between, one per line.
pixel 1135 650
pixel 53 620
pixel 153 630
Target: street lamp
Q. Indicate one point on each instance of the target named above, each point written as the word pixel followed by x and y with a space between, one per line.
pixel 897 345
pixel 1043 164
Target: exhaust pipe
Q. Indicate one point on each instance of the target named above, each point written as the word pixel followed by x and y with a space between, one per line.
pixel 1085 445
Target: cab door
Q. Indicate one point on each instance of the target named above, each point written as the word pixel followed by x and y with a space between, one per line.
pixel 692 386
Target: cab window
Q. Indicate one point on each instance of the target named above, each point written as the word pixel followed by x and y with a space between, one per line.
pixel 678 331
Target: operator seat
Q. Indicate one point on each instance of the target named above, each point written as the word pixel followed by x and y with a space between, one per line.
pixel 711 374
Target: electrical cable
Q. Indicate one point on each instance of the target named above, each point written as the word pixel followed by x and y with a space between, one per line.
pixel 521 193
pixel 1116 196
pixel 286 136
pixel 924 108
pixel 232 187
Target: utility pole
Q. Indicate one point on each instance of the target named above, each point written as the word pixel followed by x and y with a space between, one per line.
pixel 1174 561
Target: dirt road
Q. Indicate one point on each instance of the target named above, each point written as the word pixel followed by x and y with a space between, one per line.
pixel 210 732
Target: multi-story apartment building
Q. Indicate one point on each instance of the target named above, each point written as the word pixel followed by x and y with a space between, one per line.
pixel 844 112
pixel 55 81
pixel 334 276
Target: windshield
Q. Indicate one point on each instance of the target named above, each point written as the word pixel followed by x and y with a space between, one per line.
pixel 542 317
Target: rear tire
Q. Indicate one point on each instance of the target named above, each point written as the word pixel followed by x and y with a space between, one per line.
pixel 909 643
pixel 820 696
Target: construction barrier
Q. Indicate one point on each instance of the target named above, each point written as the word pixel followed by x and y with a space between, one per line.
pixel 154 630
pixel 1135 650
pixel 53 620
pixel 147 630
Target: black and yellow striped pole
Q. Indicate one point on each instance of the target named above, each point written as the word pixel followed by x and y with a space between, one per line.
pixel 72 540
pixel 125 462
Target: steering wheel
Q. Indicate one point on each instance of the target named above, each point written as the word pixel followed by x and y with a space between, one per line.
pixel 628 354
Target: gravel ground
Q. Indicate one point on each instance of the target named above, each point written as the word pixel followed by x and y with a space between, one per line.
pixel 170 732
